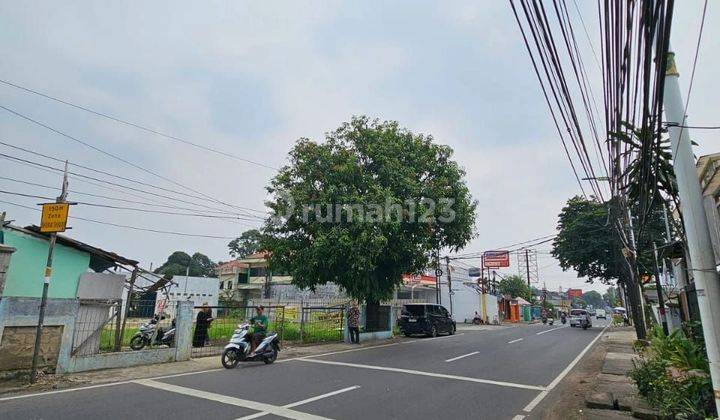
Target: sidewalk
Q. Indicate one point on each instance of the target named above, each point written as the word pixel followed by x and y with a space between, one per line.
pixel 614 395
pixel 54 382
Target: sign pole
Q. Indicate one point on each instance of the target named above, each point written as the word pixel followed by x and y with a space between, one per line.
pixel 46 284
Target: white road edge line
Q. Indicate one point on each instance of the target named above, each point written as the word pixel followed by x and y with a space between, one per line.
pixel 463 356
pixel 434 375
pixel 547 331
pixel 224 399
pixel 305 401
pixel 528 408
pixel 515 341
pixel 518 417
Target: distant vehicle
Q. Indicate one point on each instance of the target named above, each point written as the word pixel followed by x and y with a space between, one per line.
pixel 425 318
pixel 577 316
pixel 600 313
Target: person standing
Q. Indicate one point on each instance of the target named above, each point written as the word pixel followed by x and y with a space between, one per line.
pixel 353 322
pixel 202 323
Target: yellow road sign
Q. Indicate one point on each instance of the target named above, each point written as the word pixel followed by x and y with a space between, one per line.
pixel 54 217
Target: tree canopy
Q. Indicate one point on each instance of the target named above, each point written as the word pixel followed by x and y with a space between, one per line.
pixel 178 263
pixel 365 206
pixel 247 243
pixel 593 298
pixel 515 286
pixel 588 242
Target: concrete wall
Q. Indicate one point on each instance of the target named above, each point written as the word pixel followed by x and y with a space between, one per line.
pixel 18 319
pixel 100 286
pixel 60 317
pixel 26 273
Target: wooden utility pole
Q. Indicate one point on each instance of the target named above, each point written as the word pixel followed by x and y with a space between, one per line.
pixel 48 273
pixel 133 278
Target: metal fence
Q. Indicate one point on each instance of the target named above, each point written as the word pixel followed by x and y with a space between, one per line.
pixel 225 320
pixel 102 327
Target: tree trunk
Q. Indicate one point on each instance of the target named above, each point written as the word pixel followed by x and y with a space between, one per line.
pixel 633 294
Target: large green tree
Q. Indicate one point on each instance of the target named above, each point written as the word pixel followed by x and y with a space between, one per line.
pixel 593 298
pixel 247 243
pixel 364 206
pixel 515 286
pixel 178 262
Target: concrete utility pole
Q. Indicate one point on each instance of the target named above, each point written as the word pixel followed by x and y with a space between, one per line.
pixel 695 221
pixel 46 284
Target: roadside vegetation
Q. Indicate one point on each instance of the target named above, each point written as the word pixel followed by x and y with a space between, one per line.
pixel 673 375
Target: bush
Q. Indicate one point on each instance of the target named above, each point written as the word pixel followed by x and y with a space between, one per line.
pixel 673 375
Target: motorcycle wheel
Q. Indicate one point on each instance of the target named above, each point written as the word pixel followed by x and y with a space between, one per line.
pixel 137 342
pixel 271 357
pixel 230 358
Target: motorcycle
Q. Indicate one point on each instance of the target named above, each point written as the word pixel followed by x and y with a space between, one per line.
pixel 544 320
pixel 563 319
pixel 551 320
pixel 144 335
pixel 238 350
pixel 584 323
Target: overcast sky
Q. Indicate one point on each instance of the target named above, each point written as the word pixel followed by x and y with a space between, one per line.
pixel 251 78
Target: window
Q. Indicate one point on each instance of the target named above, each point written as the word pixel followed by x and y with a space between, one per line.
pixel 229 285
pixel 257 272
pixel 222 283
pixel 414 310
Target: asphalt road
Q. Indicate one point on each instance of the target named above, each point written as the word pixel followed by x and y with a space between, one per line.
pixel 500 373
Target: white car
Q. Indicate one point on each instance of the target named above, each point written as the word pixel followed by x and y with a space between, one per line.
pixel 576 315
pixel 600 313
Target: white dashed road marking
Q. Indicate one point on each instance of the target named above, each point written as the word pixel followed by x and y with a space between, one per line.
pixel 515 341
pixel 547 331
pixel 462 357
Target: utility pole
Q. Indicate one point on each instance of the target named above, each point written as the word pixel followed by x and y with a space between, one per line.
pixel 634 274
pixel 133 278
pixel 46 282
pixel 697 232
pixel 658 286
pixel 450 291
pixel 438 273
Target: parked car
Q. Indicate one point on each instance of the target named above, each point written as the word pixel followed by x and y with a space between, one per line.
pixel 425 318
pixel 577 315
pixel 600 313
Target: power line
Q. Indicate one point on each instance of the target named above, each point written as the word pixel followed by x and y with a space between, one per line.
pixel 138 126
pixel 112 155
pixel 117 176
pixel 166 232
pixel 90 204
pixel 142 203
pixel 74 175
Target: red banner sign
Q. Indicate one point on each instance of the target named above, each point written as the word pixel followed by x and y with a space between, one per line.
pixel 496 259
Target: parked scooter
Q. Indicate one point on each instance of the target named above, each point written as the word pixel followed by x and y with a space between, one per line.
pixel 238 350
pixel 144 335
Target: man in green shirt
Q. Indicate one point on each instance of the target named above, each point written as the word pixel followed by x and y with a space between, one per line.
pixel 259 323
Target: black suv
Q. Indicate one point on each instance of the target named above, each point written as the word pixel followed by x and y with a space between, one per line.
pixel 425 318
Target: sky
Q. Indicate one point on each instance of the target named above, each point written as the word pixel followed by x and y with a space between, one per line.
pixel 250 78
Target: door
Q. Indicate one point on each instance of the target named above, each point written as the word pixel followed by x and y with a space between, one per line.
pixel 446 320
